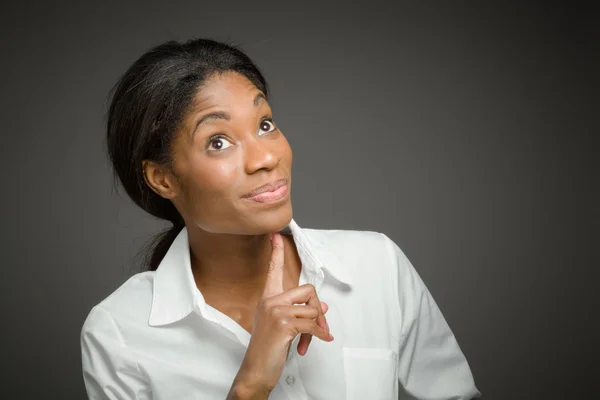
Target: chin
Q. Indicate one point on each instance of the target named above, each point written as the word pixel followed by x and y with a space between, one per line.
pixel 267 221
pixel 247 220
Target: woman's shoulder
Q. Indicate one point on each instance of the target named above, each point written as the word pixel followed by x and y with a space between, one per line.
pixel 130 302
pixel 372 258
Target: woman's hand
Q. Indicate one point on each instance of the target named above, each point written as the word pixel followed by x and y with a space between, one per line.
pixel 280 317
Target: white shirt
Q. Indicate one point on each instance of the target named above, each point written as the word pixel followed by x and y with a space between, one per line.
pixel 156 338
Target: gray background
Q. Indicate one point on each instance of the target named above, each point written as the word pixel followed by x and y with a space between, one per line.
pixel 466 132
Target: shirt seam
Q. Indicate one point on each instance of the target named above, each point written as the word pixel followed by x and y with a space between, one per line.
pixel 121 339
pixel 394 274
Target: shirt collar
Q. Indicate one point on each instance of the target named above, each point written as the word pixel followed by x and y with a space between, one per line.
pixel 314 250
pixel 175 294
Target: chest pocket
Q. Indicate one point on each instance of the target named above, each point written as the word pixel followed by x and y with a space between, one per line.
pixel 371 373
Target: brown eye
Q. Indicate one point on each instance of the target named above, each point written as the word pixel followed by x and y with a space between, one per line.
pixel 267 125
pixel 217 143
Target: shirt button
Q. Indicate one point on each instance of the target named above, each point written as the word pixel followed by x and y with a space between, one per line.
pixel 290 380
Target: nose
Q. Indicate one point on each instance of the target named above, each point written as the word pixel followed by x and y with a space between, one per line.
pixel 260 155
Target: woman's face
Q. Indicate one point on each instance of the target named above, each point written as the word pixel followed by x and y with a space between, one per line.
pixel 227 147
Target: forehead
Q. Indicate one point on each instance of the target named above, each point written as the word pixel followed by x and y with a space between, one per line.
pixel 226 89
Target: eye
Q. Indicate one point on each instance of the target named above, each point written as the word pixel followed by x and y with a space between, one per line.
pixel 217 142
pixel 267 125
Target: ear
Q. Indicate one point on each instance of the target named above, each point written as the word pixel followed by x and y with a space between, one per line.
pixel 159 179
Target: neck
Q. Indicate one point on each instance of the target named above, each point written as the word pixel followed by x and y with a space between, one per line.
pixel 235 265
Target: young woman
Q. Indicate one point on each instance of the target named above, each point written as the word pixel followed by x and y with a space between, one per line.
pixel 239 302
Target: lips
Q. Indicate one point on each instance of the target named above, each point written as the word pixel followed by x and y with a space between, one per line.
pixel 269 187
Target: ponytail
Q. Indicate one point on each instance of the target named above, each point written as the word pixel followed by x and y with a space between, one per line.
pixel 155 249
pixel 160 245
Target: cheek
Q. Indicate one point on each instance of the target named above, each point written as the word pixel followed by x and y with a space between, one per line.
pixel 216 178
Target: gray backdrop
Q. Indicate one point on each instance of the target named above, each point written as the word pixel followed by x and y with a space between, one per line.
pixel 465 132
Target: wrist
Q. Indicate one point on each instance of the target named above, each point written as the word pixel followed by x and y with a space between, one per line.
pixel 249 386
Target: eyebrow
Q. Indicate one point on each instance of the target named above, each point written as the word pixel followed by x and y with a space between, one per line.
pixel 223 115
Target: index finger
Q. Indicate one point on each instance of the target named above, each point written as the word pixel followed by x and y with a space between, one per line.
pixel 274 282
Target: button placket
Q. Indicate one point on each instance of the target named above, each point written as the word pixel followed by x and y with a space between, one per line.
pixel 290 381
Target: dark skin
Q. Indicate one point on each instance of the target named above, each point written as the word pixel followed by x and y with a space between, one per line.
pixel 239 298
pixel 229 248
pixel 236 266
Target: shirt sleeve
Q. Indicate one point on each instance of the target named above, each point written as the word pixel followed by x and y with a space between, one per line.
pixel 431 363
pixel 110 370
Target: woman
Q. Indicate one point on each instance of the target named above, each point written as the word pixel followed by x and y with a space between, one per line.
pixel 240 302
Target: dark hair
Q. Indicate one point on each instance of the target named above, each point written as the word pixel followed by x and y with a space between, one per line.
pixel 148 104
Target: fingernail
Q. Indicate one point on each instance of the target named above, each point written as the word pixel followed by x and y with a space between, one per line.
pixel 271 237
pixel 327 324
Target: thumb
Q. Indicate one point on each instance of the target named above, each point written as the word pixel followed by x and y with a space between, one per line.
pixel 274 282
